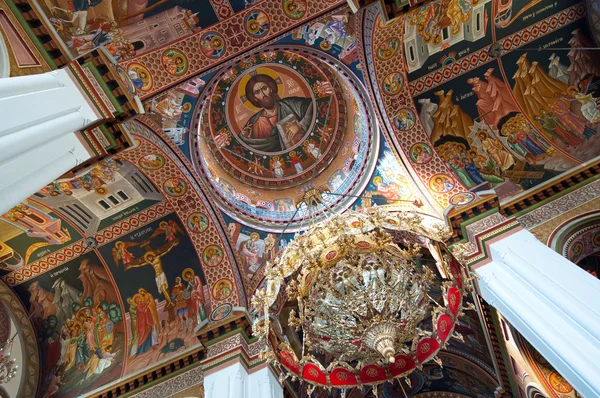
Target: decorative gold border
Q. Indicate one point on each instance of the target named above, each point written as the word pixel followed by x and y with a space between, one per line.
pixel 15 69
pixel 31 369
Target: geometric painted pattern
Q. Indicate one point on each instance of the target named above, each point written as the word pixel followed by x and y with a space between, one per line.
pixel 384 56
pixel 237 40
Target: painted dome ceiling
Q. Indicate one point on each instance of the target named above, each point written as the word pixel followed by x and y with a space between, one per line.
pixel 278 123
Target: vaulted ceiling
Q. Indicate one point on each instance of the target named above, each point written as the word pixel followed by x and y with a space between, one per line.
pixel 145 248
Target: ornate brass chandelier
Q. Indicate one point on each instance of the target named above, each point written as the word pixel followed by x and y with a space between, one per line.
pixel 363 302
pixel 8 366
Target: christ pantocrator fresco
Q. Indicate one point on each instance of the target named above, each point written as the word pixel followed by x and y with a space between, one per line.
pixel 281 123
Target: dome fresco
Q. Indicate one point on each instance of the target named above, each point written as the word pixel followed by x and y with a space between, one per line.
pixel 321 133
pixel 251 104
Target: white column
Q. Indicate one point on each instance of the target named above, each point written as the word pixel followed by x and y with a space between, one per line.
pixel 40 115
pixel 551 301
pixel 234 381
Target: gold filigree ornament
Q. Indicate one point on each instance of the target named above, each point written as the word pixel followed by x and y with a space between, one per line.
pixel 360 299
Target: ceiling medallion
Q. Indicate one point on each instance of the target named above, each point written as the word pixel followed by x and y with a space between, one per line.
pixel 364 306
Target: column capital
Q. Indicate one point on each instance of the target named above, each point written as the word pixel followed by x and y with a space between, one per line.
pixel 108 89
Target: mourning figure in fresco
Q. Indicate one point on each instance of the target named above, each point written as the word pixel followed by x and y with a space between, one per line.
pixel 280 123
pixel 159 328
pixel 144 322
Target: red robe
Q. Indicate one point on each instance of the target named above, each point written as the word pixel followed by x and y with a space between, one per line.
pixel 144 323
pixel 53 355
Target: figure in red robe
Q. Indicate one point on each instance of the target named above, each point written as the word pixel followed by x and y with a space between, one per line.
pixel 52 356
pixel 144 325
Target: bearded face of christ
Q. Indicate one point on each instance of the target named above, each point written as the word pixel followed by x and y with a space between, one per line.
pixel 261 91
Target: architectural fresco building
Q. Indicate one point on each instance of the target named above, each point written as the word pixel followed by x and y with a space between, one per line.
pixel 170 173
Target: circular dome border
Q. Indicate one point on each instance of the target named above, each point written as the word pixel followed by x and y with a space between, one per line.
pixel 240 208
pixel 229 129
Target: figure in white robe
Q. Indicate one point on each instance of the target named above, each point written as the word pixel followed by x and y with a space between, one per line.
pixel 64 297
pixel 428 108
pixel 558 70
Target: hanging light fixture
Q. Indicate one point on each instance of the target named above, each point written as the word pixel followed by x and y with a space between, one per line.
pixel 8 366
pixel 363 303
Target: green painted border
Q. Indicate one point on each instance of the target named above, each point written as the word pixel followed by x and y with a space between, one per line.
pixel 89 144
pixel 483 245
pixel 38 44
pixel 109 137
pixel 463 226
pixel 112 98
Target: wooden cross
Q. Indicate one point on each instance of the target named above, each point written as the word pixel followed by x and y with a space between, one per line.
pixel 519 172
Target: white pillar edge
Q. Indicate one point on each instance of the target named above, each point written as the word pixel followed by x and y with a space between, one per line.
pixel 38 136
pixel 546 298
pixel 234 381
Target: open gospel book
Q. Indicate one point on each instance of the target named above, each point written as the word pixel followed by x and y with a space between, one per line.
pixel 286 136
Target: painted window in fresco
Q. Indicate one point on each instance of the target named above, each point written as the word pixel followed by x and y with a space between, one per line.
pixel 103 195
pixel 30 231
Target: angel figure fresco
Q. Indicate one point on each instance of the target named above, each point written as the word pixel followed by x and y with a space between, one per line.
pixel 153 259
pixel 589 107
pixel 277 166
pixel 170 229
pixel 120 253
pixel 144 322
pixel 311 149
